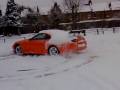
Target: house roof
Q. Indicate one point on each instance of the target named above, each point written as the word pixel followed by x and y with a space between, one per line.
pixel 115 5
pixel 95 6
pixel 101 6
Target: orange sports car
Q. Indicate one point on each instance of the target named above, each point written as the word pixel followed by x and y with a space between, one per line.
pixel 51 42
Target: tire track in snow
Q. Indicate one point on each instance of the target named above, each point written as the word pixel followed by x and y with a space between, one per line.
pixel 49 71
pixel 28 72
pixel 67 69
pixel 45 74
pixel 6 57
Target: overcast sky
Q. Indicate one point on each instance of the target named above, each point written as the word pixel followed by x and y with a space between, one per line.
pixel 42 3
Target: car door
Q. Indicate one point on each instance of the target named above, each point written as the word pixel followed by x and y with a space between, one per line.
pixel 38 43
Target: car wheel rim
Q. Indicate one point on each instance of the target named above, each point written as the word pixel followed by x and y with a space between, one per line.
pixel 53 51
pixel 18 50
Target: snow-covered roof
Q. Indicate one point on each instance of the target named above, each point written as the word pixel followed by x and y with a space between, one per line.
pixel 45 5
pixel 115 5
pixel 101 6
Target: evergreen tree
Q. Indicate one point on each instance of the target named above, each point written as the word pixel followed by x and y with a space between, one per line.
pixel 55 15
pixel 12 17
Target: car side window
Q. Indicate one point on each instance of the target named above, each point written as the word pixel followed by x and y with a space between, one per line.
pixel 41 36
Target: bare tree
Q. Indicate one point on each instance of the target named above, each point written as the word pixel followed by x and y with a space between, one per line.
pixel 73 7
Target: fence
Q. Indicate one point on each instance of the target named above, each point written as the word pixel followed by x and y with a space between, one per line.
pixel 103 30
pixel 85 32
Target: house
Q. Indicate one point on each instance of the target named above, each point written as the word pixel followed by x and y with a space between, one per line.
pixel 97 15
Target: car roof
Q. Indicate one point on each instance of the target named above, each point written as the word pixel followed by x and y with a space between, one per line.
pixel 54 31
pixel 57 36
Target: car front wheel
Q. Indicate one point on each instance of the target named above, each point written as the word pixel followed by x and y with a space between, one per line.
pixel 53 51
pixel 18 50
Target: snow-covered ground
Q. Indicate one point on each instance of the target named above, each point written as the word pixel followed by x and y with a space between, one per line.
pixel 97 68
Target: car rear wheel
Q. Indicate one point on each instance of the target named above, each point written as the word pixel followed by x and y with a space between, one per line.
pixel 18 50
pixel 53 51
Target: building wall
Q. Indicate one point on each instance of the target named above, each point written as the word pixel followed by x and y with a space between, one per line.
pixel 94 19
pixel 83 16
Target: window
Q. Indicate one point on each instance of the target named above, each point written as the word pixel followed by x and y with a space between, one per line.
pixel 41 36
pixel 92 15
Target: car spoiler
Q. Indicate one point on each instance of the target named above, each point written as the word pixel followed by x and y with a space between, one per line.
pixel 78 32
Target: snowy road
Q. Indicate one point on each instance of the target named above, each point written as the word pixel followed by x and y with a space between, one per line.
pixel 97 68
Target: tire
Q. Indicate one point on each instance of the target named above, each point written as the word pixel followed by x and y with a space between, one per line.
pixel 53 51
pixel 18 50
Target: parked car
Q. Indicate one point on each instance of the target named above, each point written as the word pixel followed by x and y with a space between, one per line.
pixel 51 42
